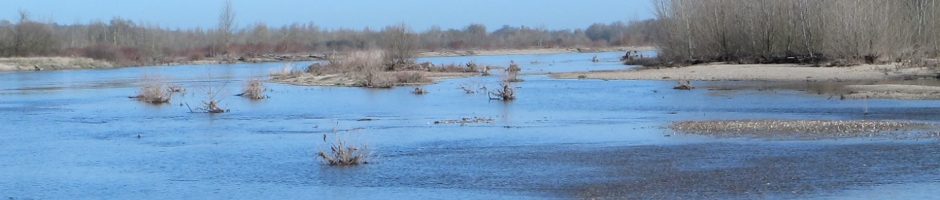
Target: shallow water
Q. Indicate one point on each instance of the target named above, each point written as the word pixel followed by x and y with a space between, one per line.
pixel 75 134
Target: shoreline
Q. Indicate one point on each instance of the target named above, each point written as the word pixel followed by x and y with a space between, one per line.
pixel 534 51
pixel 347 80
pixel 757 72
pixel 55 63
pixel 885 81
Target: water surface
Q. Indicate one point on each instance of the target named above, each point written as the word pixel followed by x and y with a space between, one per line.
pixel 75 134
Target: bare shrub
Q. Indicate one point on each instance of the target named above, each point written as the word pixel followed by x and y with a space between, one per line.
pixel 342 154
pixel 154 91
pixel 410 77
pixel 400 45
pixel 211 104
pixel 512 73
pixel 505 93
pixel 254 90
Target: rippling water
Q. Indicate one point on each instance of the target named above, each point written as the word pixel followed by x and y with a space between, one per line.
pixel 75 134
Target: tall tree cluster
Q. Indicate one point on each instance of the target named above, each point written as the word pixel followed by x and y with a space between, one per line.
pixel 765 30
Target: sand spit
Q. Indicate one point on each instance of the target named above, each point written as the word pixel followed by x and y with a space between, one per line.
pixel 348 80
pixel 893 91
pixel 806 129
pixel 756 72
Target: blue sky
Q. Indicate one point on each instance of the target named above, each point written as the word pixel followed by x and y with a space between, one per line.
pixel 331 14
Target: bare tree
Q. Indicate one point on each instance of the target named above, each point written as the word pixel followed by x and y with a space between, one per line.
pixel 226 28
pixel 400 46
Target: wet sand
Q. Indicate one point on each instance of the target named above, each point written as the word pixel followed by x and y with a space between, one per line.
pixel 893 91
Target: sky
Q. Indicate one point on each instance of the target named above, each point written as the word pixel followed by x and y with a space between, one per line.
pixel 333 14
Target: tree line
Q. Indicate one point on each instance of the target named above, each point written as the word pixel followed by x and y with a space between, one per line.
pixel 767 31
pixel 126 42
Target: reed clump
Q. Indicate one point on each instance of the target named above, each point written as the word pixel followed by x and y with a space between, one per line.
pixel 341 153
pixel 254 90
pixel 154 92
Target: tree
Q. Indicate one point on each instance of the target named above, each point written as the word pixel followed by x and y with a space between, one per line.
pixel 400 46
pixel 226 28
pixel 32 38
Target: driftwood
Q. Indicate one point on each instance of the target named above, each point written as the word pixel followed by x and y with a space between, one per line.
pixel 684 85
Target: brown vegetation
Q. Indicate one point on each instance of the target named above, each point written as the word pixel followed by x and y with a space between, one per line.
pixel 343 154
pixel 505 93
pixel 211 105
pixel 154 93
pixel 798 31
pixel 512 73
pixel 254 90
pixel 373 70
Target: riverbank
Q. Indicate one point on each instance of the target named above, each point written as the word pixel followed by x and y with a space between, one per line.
pixel 495 52
pixel 51 63
pixel 72 63
pixel 351 80
pixel 856 82
pixel 757 72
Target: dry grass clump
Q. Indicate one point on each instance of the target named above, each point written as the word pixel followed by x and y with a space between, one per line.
pixel 343 154
pixel 211 105
pixel 485 71
pixel 155 92
pixel 254 90
pixel 799 128
pixel 512 73
pixel 368 69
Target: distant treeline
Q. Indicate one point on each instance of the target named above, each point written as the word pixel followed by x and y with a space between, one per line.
pixel 127 43
pixel 768 31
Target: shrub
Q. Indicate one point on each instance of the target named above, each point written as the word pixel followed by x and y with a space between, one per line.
pixel 505 93
pixel 343 154
pixel 254 90
pixel 211 105
pixel 154 91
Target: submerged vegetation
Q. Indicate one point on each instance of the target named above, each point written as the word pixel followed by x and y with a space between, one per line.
pixel 832 33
